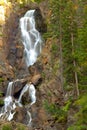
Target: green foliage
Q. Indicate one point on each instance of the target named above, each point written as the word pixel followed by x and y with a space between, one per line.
pixel 81 53
pixel 43 75
pixel 72 16
pixel 1 102
pixel 81 115
pixel 7 127
pixel 49 94
pixel 67 105
pixel 20 127
pixel 0 94
pixel 54 49
pixel 59 114
pixel 76 127
pixel 83 109
pixel 38 1
pixel 68 87
pixel 46 35
pixel 24 2
pixel 55 68
pixel 1 80
pixel 81 100
pixel 27 1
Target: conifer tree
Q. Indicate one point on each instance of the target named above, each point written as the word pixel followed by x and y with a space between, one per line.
pixel 65 29
pixel 81 52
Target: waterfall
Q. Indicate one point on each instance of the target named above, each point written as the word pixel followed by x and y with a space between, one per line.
pixel 9 89
pixel 9 104
pixel 30 37
pixel 32 47
pixel 32 93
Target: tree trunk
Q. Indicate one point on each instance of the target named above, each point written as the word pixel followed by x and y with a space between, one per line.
pixel 60 42
pixel 74 64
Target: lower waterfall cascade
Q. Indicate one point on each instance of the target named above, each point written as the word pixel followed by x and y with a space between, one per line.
pixel 8 110
pixel 32 42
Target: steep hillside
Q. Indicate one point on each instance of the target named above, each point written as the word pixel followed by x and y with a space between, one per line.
pixel 48 88
pixel 59 74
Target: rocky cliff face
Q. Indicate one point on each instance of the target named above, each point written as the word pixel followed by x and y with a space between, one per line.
pixel 41 74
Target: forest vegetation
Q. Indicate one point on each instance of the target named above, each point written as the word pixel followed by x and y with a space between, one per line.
pixel 68 24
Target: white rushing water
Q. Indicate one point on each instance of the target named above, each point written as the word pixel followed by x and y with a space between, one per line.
pixel 32 93
pixel 9 104
pixel 32 47
pixel 30 37
pixel 8 110
pixel 9 89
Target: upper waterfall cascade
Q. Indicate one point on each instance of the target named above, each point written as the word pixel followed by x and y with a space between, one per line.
pixel 30 37
pixel 32 42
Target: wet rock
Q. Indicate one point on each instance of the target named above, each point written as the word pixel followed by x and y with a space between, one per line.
pixel 19 53
pixel 19 84
pixel 35 69
pixel 40 21
pixel 20 115
pixel 12 59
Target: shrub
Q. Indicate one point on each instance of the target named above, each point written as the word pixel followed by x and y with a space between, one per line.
pixel 57 113
pixel 54 49
pixel 7 127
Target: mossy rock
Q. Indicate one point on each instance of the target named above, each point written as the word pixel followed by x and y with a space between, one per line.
pixel 1 102
pixel 12 126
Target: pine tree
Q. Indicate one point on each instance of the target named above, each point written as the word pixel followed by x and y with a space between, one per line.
pixel 81 53
pixel 65 29
pixel 69 44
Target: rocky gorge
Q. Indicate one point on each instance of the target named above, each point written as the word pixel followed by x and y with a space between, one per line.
pixel 44 74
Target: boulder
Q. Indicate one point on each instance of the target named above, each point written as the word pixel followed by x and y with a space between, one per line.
pixel 40 21
pixel 19 53
pixel 35 69
pixel 36 79
pixel 19 84
pixel 20 115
